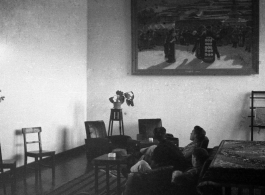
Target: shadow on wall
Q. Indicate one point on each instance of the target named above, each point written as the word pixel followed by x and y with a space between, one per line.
pixel 68 136
pixel 63 139
pixel 19 146
pixel 78 126
pixel 130 130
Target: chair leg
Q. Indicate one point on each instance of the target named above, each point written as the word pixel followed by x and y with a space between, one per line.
pixel 14 179
pixel 53 169
pixel 2 180
pixel 11 177
pixel 4 186
pixel 25 166
pixel 37 169
pixel 15 174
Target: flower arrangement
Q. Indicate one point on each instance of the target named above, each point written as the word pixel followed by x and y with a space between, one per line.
pixel 2 97
pixel 120 97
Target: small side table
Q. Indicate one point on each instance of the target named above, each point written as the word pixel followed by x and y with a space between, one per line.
pixel 104 160
pixel 116 115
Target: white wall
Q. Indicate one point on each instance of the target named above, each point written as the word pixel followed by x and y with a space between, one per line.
pixel 220 104
pixel 43 58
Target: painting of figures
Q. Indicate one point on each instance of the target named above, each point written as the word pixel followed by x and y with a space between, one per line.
pixel 195 37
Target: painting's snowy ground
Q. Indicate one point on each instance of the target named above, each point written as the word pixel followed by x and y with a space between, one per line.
pixel 231 58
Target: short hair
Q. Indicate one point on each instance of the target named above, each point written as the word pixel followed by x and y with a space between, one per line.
pixel 159 132
pixel 199 133
pixel 200 154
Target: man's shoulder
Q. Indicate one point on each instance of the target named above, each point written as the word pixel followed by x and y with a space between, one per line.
pixel 163 142
pixel 170 143
pixel 191 144
pixel 167 144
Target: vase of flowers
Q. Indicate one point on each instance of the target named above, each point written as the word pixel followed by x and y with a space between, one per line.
pixel 120 97
pixel 117 105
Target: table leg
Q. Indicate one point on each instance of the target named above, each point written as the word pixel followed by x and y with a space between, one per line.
pixel 262 190
pixel 118 180
pixel 227 190
pixel 240 191
pixel 122 127
pixel 107 178
pixel 96 179
pixel 14 180
pixel 109 130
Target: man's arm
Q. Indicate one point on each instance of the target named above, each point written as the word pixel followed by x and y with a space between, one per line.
pixel 187 178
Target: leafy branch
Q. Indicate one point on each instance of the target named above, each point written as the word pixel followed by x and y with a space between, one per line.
pixel 2 98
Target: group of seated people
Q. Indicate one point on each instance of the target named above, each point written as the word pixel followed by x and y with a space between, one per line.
pixel 187 162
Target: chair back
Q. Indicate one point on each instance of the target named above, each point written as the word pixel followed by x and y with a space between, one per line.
pixel 146 126
pixel 95 129
pixel 205 167
pixel 204 143
pixel 36 140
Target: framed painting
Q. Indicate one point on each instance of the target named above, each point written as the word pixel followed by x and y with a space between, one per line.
pixel 195 37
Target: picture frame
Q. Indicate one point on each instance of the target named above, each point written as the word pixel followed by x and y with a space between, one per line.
pixel 199 30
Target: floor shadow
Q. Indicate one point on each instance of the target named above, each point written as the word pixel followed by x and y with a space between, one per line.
pixel 194 64
pixel 160 66
pixel 236 56
pixel 183 64
pixel 198 64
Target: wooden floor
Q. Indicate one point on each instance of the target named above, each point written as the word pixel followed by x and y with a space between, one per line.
pixel 68 167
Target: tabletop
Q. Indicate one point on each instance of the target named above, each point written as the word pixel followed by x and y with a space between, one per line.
pixel 238 162
pixel 110 160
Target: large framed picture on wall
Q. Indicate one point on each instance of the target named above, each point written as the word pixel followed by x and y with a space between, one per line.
pixel 195 37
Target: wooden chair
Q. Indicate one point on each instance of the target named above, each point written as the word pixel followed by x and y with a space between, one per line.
pixel 9 164
pixel 146 127
pixel 39 153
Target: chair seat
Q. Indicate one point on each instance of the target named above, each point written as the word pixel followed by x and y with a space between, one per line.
pixel 43 153
pixel 9 163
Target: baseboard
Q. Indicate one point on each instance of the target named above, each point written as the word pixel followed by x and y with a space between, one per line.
pixel 58 156
pixel 71 152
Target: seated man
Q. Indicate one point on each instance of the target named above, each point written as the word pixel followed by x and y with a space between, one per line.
pixel 165 153
pixel 168 183
pixel 189 178
pixel 197 136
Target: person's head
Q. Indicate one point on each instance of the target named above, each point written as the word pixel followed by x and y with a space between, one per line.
pixel 199 156
pixel 159 133
pixel 197 134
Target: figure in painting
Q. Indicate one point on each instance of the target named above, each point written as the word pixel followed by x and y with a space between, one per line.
pixel 206 47
pixel 169 46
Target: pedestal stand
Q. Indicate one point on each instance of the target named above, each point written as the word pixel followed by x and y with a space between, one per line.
pixel 116 115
